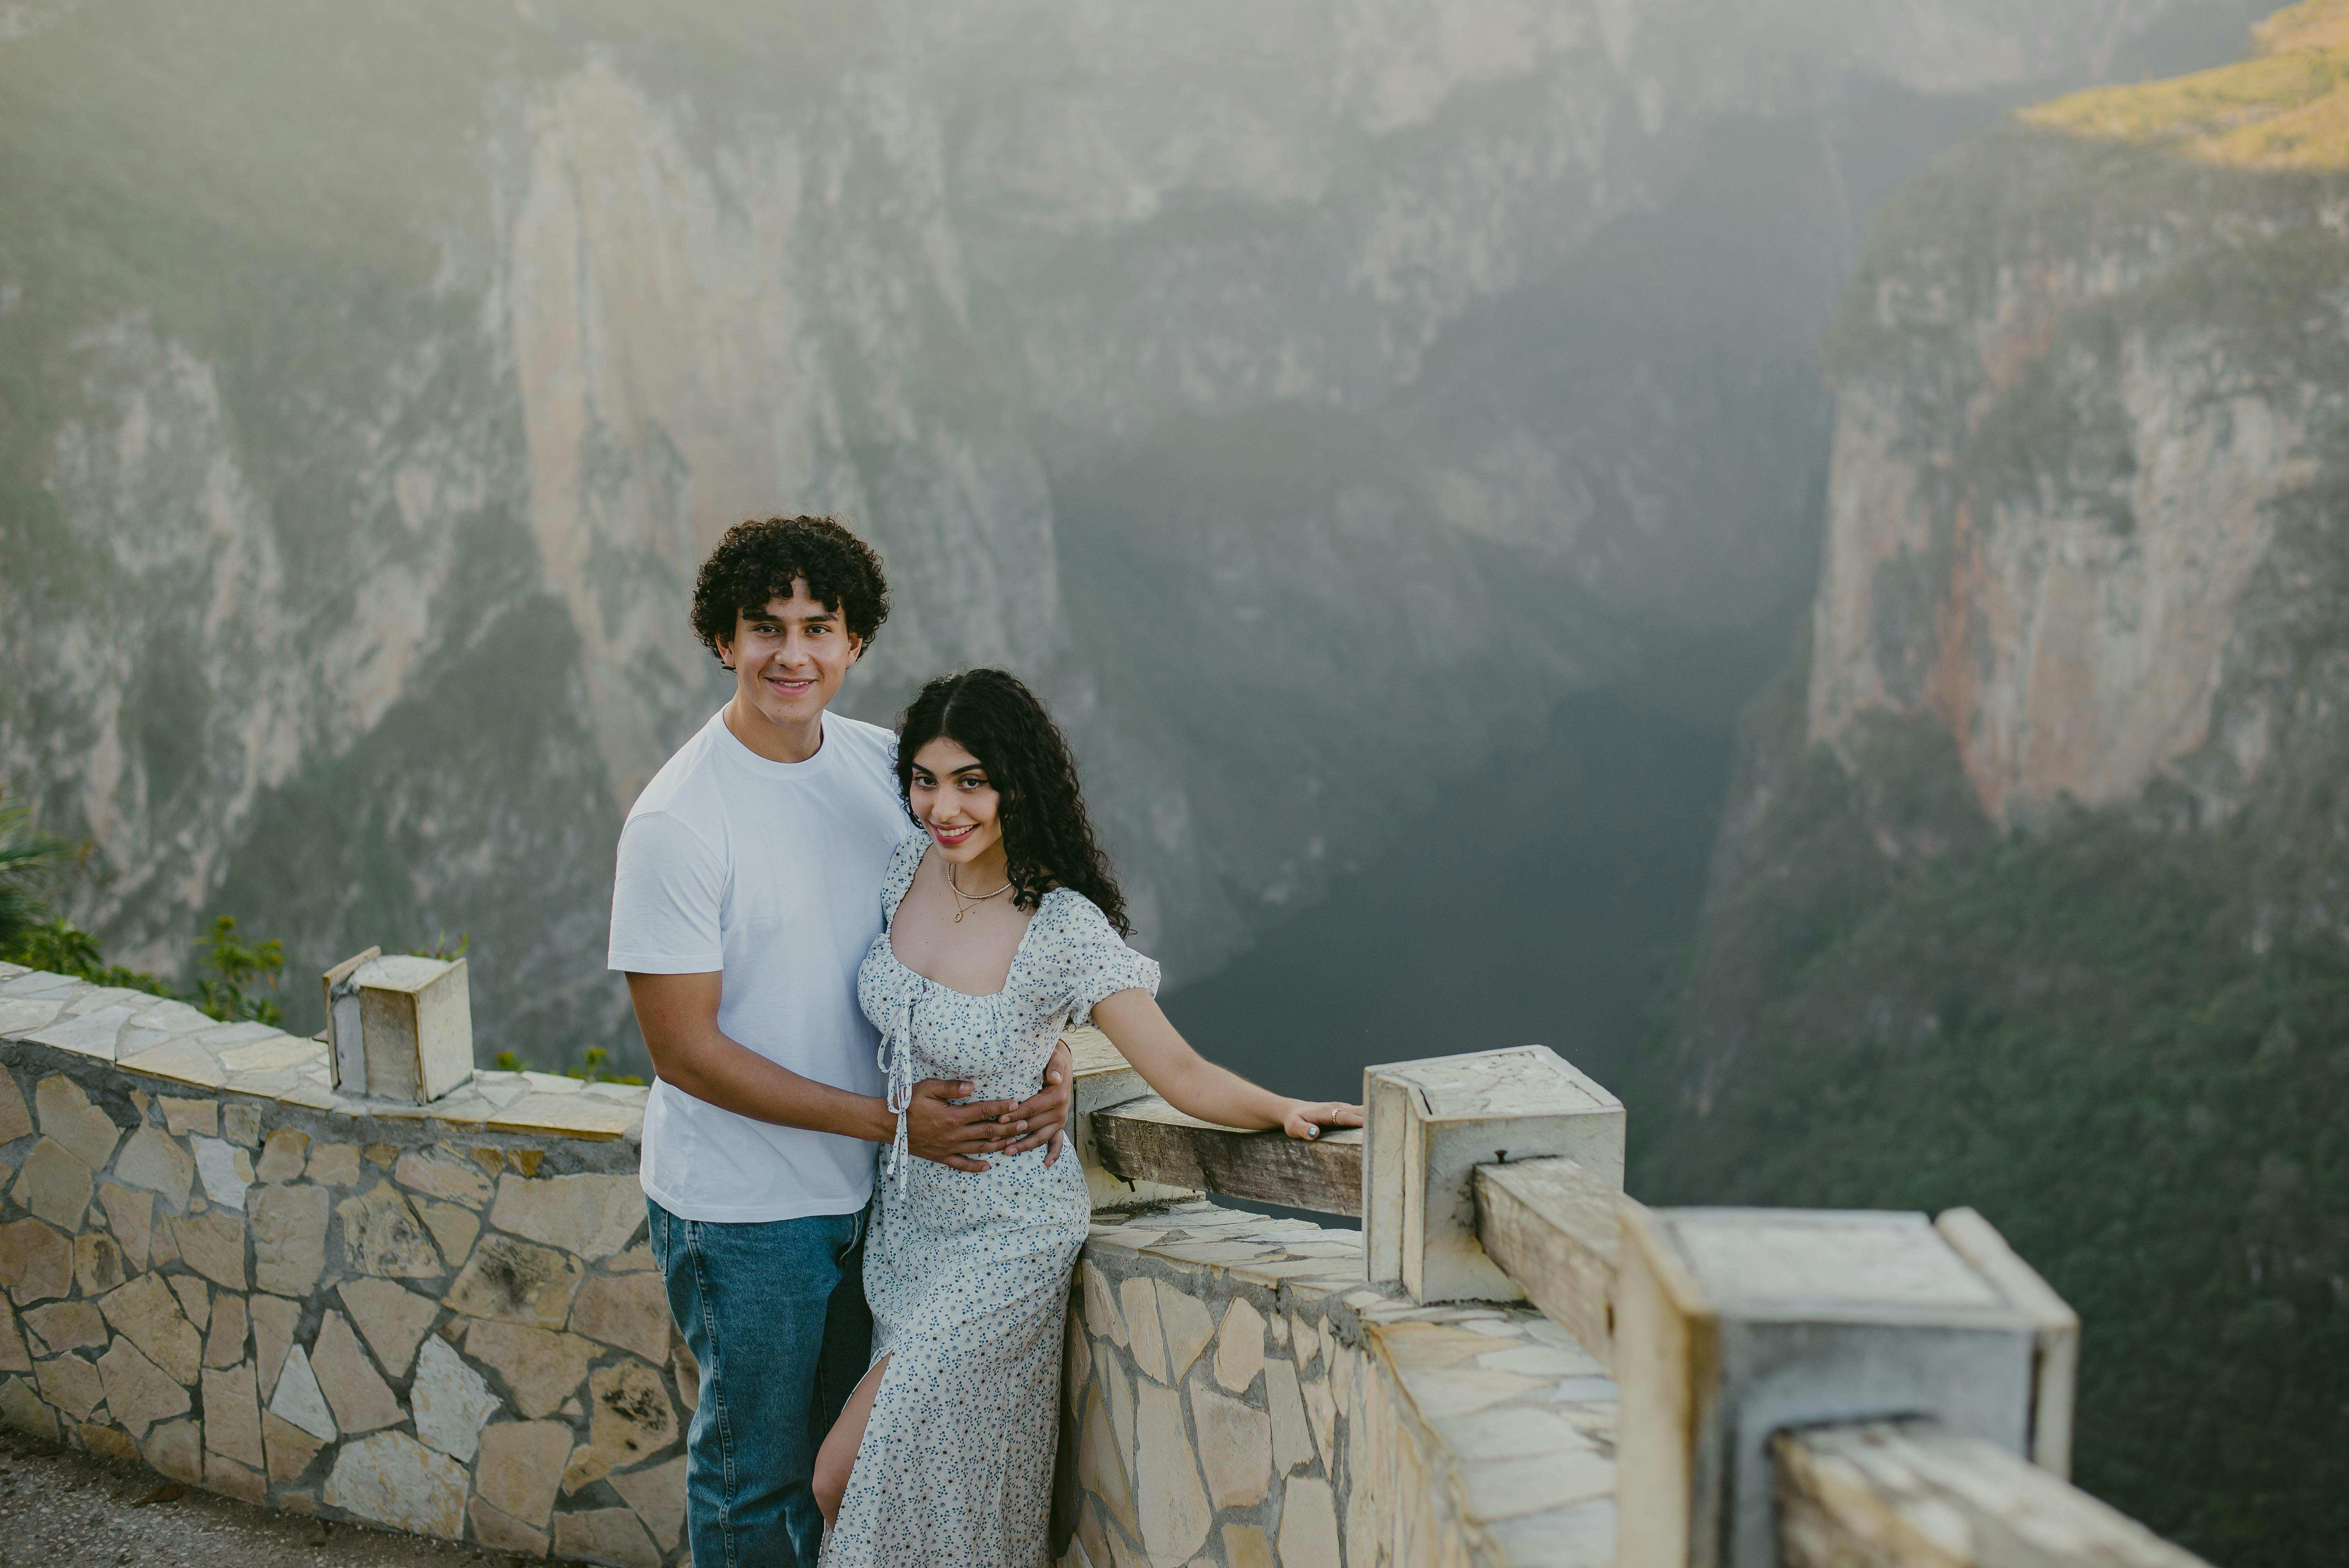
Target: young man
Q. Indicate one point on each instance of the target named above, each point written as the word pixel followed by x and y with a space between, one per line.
pixel 748 891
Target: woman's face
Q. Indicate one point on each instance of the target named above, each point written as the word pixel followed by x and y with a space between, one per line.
pixel 952 798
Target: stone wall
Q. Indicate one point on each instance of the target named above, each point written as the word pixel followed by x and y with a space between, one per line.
pixel 1235 1395
pixel 444 1319
pixel 439 1318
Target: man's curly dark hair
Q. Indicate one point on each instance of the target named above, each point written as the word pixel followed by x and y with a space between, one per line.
pixel 759 560
pixel 1048 839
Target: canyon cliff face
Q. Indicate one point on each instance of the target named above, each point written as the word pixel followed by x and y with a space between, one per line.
pixel 1303 397
pixel 2032 889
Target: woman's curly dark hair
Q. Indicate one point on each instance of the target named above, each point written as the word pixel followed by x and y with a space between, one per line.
pixel 759 560
pixel 1048 839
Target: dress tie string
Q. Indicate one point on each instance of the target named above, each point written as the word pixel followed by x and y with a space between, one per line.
pixel 896 1059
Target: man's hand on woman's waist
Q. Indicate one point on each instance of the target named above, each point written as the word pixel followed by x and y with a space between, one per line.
pixel 940 1129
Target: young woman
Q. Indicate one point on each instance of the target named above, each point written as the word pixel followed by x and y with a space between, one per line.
pixel 1003 927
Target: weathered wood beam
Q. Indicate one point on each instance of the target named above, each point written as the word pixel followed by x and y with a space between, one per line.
pixel 1148 1141
pixel 1912 1494
pixel 1551 1226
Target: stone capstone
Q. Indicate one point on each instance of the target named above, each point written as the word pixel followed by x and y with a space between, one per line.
pixel 147 1313
pixel 588 1216
pixel 451 1400
pixel 137 1392
pixel 515 1282
pixel 358 1395
pixel 233 1416
pixel 541 1368
pixel 383 1236
pixel 391 1479
pixel 154 1161
pixel 289 1239
pixel 88 1133
pixel 54 1184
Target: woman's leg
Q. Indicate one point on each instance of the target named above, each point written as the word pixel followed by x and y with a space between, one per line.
pixel 837 1459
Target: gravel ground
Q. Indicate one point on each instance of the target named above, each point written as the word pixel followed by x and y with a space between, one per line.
pixel 70 1510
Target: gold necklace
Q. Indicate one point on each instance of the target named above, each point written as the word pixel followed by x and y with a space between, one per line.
pixel 962 908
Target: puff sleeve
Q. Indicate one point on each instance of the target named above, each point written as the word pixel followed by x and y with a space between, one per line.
pixel 1091 960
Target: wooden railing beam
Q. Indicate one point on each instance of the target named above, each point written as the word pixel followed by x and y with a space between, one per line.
pixel 1913 1494
pixel 1146 1140
pixel 1551 1226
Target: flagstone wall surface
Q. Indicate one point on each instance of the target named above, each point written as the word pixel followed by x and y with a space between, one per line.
pixel 445 1319
pixel 1236 1396
pixel 442 1319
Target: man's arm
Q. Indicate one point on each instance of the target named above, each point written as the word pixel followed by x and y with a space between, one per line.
pixel 679 1016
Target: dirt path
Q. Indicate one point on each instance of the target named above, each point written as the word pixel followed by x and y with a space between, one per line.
pixel 59 1508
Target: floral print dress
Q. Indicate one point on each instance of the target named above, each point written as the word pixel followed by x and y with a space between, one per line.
pixel 967 1273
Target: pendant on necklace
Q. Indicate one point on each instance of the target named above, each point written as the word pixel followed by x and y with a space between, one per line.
pixel 959 915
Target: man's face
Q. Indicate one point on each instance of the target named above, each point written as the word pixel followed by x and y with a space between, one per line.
pixel 790 659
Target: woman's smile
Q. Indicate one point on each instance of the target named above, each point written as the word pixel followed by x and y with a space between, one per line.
pixel 948 836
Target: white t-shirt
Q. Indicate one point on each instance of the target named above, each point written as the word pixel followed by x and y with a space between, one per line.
pixel 771 873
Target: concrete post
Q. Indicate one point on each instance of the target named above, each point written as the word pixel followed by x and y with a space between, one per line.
pixel 1733 1325
pixel 1433 1122
pixel 399 1027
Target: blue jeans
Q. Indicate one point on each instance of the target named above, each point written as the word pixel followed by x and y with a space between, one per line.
pixel 775 1313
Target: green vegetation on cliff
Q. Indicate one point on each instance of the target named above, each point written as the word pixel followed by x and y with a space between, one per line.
pixel 2071 1032
pixel 1925 976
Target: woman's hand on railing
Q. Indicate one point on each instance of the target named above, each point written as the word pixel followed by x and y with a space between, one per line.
pixel 1306 1119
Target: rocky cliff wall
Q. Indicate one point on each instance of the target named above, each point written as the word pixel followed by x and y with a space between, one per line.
pixel 2035 878
pixel 1294 394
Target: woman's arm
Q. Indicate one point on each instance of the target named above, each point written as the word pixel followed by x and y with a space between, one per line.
pixel 1197 1087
